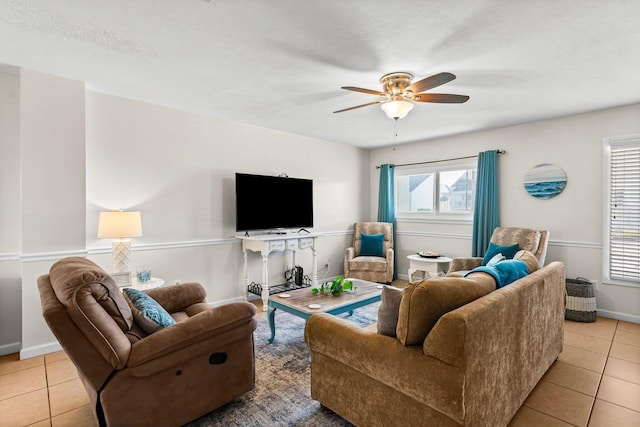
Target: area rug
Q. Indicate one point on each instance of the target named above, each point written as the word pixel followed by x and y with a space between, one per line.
pixel 282 395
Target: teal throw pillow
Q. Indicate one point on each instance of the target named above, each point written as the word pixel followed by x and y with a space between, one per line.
pixel 508 251
pixel 372 244
pixel 147 313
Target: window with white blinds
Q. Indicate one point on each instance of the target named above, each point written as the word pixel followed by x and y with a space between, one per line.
pixel 623 200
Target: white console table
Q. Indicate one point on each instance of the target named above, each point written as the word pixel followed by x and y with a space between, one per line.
pixel 268 243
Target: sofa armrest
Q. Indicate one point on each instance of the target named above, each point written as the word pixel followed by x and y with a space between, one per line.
pixel 458 264
pixel 178 297
pixel 175 339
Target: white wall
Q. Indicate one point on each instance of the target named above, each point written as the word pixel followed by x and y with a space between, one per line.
pixel 10 218
pixel 52 172
pixel 574 218
pixel 178 169
pixel 78 152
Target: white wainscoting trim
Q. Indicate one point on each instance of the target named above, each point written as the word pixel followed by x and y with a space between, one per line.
pixel 565 243
pixel 618 316
pixel 52 256
pixel 39 350
pixel 9 257
pixel 56 255
pixel 456 221
pixel 336 233
pixel 435 235
pixel 573 244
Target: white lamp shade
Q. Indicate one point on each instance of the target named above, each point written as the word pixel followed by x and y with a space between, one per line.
pixel 119 225
pixel 397 109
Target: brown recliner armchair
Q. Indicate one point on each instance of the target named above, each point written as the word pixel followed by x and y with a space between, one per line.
pixel 169 377
pixel 535 241
pixel 366 267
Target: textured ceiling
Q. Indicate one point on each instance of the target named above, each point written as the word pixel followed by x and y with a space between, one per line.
pixel 279 64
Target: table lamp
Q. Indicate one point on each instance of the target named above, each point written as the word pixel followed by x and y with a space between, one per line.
pixel 120 225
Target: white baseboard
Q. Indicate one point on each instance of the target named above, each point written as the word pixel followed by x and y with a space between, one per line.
pixel 14 347
pixel 618 316
pixel 39 350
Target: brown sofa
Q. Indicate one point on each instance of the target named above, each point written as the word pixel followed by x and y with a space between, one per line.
pixel 465 354
pixel 167 378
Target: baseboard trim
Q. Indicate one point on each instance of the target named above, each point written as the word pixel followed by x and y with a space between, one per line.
pixel 618 316
pixel 11 348
pixel 39 350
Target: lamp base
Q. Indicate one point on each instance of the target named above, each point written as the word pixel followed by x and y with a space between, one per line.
pixel 121 256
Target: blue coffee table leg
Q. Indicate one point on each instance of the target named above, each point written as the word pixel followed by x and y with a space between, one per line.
pixel 272 324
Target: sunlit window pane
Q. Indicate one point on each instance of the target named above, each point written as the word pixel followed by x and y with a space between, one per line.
pixel 456 191
pixel 416 193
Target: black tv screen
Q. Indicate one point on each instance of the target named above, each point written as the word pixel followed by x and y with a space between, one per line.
pixel 273 202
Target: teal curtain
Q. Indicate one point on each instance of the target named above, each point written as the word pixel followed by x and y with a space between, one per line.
pixel 486 213
pixel 387 206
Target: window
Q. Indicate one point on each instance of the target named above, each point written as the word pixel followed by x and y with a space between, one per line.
pixel 622 228
pixel 436 191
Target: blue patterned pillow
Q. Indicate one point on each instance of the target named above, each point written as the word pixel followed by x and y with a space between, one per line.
pixel 147 313
pixel 371 244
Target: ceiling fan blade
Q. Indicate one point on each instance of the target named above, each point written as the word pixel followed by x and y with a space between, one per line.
pixel 444 98
pixel 359 106
pixel 431 82
pixel 367 91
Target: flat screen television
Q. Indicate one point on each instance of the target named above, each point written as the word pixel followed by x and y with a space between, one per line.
pixel 273 202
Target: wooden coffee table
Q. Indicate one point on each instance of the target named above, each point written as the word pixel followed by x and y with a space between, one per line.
pixel 297 302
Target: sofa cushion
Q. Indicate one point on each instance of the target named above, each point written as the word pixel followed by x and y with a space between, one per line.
pixel 371 244
pixel 423 303
pixel 147 313
pixel 494 249
pixel 389 310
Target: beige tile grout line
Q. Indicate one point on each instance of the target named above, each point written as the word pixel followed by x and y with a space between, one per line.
pixel 46 376
pixel 606 362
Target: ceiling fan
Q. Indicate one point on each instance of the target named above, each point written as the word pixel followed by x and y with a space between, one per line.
pixel 398 93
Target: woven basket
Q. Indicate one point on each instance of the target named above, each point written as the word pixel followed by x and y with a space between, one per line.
pixel 581 300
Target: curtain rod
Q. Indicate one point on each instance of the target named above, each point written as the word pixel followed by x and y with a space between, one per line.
pixel 439 161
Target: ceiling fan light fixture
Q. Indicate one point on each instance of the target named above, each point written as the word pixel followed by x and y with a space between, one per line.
pixel 397 109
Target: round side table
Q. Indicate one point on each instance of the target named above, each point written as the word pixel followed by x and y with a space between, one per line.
pixel 430 266
pixel 154 282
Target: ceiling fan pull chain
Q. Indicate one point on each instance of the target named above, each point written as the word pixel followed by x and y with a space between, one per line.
pixel 395 128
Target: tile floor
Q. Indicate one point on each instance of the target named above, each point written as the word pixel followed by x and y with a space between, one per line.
pixel 595 382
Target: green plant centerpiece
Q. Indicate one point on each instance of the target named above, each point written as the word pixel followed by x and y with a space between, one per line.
pixel 335 288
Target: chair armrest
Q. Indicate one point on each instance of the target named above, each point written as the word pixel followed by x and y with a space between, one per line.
pixel 211 323
pixel 458 264
pixel 178 297
pixel 349 254
pixel 389 255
